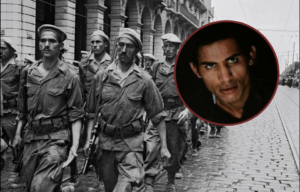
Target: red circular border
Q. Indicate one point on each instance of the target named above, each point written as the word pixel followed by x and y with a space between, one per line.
pixel 227 21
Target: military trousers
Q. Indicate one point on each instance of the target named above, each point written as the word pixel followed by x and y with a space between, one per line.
pixel 152 163
pixel 41 160
pixel 121 171
pixel 9 126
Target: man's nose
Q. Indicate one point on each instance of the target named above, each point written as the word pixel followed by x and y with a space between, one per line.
pixel 124 49
pixel 224 73
pixel 47 43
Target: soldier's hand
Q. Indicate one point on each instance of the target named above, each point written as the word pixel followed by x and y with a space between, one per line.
pixel 183 115
pixel 17 141
pixel 165 154
pixel 72 154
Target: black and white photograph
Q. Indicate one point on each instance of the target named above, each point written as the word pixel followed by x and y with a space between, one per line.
pixel 113 96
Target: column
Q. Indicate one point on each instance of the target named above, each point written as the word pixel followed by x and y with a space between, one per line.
pixel 148 40
pixel 65 19
pixel 95 19
pixel 18 23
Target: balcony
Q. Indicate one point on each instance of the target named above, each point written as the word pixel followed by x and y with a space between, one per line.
pixel 201 5
pixel 192 18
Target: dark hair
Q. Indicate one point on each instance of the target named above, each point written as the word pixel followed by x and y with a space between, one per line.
pixel 221 31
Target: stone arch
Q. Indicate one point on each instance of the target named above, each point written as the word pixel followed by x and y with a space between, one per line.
pixel 117 19
pixel 132 20
pixel 147 32
pixel 157 42
pixel 168 27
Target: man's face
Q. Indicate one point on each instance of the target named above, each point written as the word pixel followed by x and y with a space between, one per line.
pixel 126 50
pixel 170 49
pixel 98 44
pixel 224 70
pixel 6 52
pixel 49 44
pixel 148 62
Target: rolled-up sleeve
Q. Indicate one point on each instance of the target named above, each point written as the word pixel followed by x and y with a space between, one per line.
pixel 75 100
pixel 22 96
pixel 154 105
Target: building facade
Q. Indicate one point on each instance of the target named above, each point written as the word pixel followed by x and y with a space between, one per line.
pixel 79 18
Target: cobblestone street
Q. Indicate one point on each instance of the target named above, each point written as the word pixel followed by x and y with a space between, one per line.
pixel 254 156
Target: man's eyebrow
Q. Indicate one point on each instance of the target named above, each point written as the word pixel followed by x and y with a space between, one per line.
pixel 234 55
pixel 207 63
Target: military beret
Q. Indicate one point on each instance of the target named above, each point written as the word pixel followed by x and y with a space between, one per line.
pixel 66 46
pixel 133 36
pixel 9 42
pixel 58 31
pixel 149 55
pixel 170 37
pixel 29 58
pixel 101 34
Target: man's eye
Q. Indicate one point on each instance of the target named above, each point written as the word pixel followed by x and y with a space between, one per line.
pixel 43 40
pixel 233 60
pixel 121 44
pixel 210 66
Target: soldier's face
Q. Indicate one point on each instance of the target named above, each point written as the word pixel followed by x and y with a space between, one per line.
pixel 49 44
pixel 170 49
pixel 148 62
pixel 98 44
pixel 224 70
pixel 126 50
pixel 6 52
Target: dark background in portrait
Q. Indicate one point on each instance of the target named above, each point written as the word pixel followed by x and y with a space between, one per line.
pixel 194 92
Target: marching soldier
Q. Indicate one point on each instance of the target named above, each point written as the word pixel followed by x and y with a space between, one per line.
pixel 50 100
pixel 149 60
pixel 97 60
pixel 10 78
pixel 163 76
pixel 123 92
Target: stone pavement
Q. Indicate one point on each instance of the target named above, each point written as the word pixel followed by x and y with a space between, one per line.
pixel 254 156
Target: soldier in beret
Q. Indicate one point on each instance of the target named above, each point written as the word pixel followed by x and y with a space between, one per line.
pixel 50 101
pixel 118 98
pixel 10 78
pixel 163 76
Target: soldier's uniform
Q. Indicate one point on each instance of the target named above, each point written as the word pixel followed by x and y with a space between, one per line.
pixel 163 76
pixel 122 104
pixel 89 66
pixel 50 104
pixel 10 78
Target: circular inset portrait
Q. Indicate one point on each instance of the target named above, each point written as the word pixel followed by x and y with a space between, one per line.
pixel 226 73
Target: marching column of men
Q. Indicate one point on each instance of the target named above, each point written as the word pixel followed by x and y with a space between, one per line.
pixel 114 93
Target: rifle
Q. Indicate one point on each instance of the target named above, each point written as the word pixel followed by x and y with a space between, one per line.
pixel 90 152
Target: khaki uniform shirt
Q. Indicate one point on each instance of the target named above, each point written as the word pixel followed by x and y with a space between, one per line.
pixel 89 67
pixel 138 94
pixel 57 94
pixel 10 79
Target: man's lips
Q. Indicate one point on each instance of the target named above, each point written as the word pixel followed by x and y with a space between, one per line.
pixel 229 90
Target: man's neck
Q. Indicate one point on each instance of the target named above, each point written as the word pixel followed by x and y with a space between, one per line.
pixel 48 63
pixel 170 61
pixel 99 56
pixel 4 62
pixel 124 67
